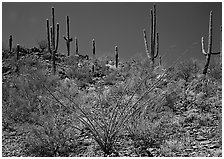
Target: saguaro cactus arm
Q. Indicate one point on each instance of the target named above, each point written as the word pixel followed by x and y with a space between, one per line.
pixel 146 44
pixel 48 36
pixel 57 37
pixel 157 45
pixel 53 28
pixel 203 46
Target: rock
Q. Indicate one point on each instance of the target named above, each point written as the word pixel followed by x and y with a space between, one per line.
pixel 214 146
pixel 201 138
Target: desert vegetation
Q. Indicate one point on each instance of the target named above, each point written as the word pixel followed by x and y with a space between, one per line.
pixel 57 105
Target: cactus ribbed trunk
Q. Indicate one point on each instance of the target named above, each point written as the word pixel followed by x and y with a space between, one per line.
pixel 10 43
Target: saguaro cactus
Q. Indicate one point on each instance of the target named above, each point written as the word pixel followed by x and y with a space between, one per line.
pixel 94 49
pixel 10 43
pixel 68 39
pixel 116 56
pixel 52 46
pixel 94 55
pixel 209 52
pixel 154 45
pixel 76 46
pixel 17 51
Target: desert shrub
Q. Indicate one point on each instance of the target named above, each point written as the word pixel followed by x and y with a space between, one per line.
pixel 215 70
pixel 42 44
pixel 105 114
pixel 52 134
pixel 187 70
pixel 22 91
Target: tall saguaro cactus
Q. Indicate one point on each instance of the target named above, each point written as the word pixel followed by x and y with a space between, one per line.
pixel 209 52
pixel 10 43
pixel 94 49
pixel 154 45
pixel 76 46
pixel 68 39
pixel 94 55
pixel 52 46
pixel 116 56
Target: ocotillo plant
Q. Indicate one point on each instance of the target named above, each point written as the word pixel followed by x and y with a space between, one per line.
pixel 51 41
pixel 68 39
pixel 76 46
pixel 10 43
pixel 154 46
pixel 116 56
pixel 209 52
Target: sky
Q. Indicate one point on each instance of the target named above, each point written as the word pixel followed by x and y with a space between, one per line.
pixel 180 26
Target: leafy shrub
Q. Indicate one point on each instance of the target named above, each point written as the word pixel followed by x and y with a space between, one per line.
pixel 187 70
pixel 107 117
pixel 53 134
pixel 42 44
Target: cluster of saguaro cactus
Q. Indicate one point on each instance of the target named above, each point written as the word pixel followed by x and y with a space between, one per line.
pixel 209 52
pixel 10 43
pixel 154 45
pixel 68 39
pixel 52 44
pixel 116 56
